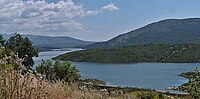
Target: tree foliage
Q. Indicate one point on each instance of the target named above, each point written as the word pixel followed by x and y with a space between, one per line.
pixel 194 84
pixel 24 48
pixel 172 53
pixel 2 40
pixel 58 70
pixel 146 95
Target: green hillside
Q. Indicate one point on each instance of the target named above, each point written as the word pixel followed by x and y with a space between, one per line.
pixel 166 31
pixel 171 53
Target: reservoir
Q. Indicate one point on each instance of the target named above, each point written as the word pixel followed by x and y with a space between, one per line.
pixel 156 76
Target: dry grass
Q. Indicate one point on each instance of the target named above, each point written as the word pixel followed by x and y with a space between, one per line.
pixel 14 85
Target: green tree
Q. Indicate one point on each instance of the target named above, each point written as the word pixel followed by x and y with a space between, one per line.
pixel 46 68
pixel 2 40
pixel 24 48
pixel 58 70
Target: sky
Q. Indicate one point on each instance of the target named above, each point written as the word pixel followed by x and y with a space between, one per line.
pixel 91 20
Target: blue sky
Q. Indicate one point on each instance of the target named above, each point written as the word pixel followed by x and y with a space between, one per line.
pixel 96 20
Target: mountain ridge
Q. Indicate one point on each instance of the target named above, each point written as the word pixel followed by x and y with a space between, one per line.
pixel 164 31
pixel 48 42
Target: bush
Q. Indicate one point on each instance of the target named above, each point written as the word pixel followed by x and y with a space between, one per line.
pixel 160 96
pixel 58 70
pixel 146 95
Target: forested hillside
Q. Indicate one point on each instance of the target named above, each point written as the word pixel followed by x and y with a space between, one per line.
pixel 170 53
pixel 166 31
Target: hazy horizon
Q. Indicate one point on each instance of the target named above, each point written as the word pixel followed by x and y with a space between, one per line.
pixel 88 19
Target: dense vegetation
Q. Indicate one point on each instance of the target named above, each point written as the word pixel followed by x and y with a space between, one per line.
pixel 173 53
pixel 166 31
pixel 58 71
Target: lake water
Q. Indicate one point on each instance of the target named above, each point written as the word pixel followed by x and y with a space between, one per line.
pixel 145 75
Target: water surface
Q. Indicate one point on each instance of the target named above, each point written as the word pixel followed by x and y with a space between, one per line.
pixel 145 75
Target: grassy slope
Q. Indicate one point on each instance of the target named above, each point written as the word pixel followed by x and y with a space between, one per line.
pixel 173 53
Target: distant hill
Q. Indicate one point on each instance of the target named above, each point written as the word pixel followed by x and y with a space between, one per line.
pixel 166 31
pixel 47 42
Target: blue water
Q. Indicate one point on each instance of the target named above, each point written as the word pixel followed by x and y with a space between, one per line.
pixel 50 54
pixel 156 76
pixel 145 75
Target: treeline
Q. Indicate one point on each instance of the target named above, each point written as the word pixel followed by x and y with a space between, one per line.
pixel 165 53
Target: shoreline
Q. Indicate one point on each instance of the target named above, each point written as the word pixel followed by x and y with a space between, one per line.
pixel 103 85
pixel 133 89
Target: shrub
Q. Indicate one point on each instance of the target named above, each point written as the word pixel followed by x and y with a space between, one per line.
pixel 58 70
pixel 146 95
pixel 160 96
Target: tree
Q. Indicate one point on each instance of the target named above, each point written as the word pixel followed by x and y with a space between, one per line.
pixel 66 71
pixel 24 48
pixel 2 40
pixel 46 68
pixel 58 70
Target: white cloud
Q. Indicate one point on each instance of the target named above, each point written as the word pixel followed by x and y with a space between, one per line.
pixel 110 7
pixel 42 16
